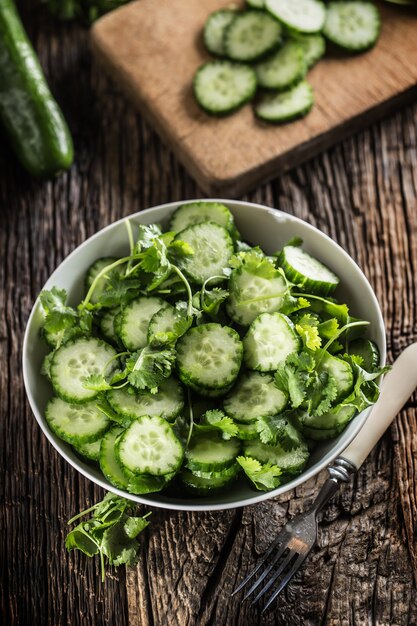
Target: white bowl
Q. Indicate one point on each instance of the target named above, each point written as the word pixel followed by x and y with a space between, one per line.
pixel 259 225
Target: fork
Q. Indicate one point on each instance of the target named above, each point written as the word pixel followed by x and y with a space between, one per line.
pixel 295 542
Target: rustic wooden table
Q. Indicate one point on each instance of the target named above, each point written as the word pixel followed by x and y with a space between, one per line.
pixel 364 194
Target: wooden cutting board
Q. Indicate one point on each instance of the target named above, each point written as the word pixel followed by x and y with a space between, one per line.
pixel 153 47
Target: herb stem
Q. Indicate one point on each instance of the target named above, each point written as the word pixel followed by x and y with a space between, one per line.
pixel 131 244
pixel 100 275
pixel 73 519
pixel 190 409
pixel 188 288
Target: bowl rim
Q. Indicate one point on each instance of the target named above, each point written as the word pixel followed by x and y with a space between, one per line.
pixel 258 496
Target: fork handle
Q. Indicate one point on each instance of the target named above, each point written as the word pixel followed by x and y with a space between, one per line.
pixel 397 387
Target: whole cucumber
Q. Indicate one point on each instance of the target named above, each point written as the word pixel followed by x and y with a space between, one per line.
pixel 33 120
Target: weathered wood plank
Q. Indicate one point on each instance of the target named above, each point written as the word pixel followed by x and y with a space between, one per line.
pixel 364 194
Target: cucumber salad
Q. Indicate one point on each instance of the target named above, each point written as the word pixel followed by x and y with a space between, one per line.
pixel 267 49
pixel 197 358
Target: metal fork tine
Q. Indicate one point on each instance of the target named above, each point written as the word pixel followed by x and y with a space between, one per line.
pixel 296 566
pixel 275 575
pixel 283 538
pixel 266 571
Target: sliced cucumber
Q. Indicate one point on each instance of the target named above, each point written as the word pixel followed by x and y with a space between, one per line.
pixel 335 419
pixel 251 35
pixel 251 295
pixel 254 395
pixel 221 87
pixel 145 483
pixel 76 423
pixel 291 462
pixel 248 432
pixel 149 446
pixel 73 362
pixel 162 323
pixel 209 392
pixel 215 28
pixel 283 69
pixel 307 272
pixel 213 247
pixel 366 349
pixel 341 372
pixel 92 272
pixel 209 356
pixel 203 484
pixel 353 26
pixel 304 16
pixel 89 450
pixel 211 453
pixel 321 434
pixel 109 463
pixel 168 402
pixel 286 105
pixel 197 212
pixel 256 4
pixel 270 339
pixel 313 46
pixel 135 321
pixel 107 325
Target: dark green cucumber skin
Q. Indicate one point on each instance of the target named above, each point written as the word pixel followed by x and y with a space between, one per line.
pixel 33 120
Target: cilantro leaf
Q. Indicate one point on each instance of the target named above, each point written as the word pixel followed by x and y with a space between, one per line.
pixel 215 419
pixel 58 316
pixel 111 532
pixel 148 367
pixel 96 382
pixel 307 328
pixel 211 300
pixel 263 476
pixel 254 262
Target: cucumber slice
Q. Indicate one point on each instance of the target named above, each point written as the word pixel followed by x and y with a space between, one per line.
pixel 213 247
pixel 89 450
pixel 92 272
pixel 291 462
pixel 251 35
pixel 135 321
pixel 286 105
pixel 76 423
pixel 75 361
pixel 221 87
pixel 248 432
pixel 211 453
pixel 162 323
pixel 109 463
pixel 208 392
pixel 335 419
pixel 145 483
pixel 168 402
pixel 354 26
pixel 254 395
pixel 283 69
pixel 215 28
pixel 340 370
pixel 209 356
pixel 204 484
pixel 304 16
pixel 270 339
pixel 149 446
pixel 321 434
pixel 256 4
pixel 107 325
pixel 313 46
pixel 368 350
pixel 307 272
pixel 197 212
pixel 251 295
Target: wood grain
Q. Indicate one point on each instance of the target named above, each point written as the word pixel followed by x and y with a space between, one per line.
pixel 364 194
pixel 152 50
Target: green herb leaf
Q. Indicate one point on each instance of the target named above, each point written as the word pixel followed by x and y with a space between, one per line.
pixel 307 328
pixel 263 476
pixel 148 367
